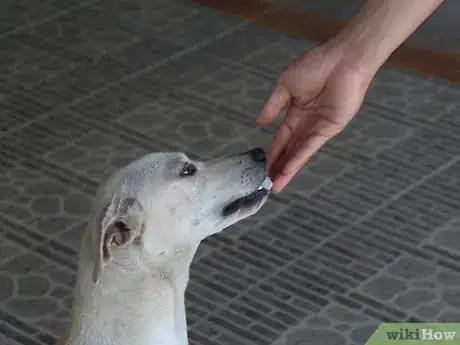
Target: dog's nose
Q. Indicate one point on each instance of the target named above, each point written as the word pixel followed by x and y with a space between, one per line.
pixel 258 155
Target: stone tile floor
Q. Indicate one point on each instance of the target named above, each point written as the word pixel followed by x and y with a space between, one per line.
pixel 368 232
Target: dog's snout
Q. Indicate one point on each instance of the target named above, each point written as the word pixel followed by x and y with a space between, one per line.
pixel 258 155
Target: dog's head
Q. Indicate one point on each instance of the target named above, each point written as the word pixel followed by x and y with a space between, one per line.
pixel 164 199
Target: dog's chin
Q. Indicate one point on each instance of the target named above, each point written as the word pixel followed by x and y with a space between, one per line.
pixel 248 204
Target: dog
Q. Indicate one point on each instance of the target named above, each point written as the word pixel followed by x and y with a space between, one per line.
pixel 146 223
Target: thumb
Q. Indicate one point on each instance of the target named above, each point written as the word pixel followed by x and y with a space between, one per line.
pixel 277 100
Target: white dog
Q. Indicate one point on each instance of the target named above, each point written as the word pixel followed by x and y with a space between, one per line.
pixel 146 225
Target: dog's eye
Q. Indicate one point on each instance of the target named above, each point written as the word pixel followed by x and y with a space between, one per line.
pixel 188 170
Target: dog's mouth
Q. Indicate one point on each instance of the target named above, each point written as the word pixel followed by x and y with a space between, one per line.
pixel 249 201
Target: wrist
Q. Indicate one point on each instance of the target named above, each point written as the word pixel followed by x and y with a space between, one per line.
pixel 360 57
pixel 362 49
pixel 348 61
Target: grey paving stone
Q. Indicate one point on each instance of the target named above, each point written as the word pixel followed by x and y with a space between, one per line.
pixel 19 108
pixel 329 8
pixel 96 155
pixel 17 16
pixel 37 269
pixel 428 313
pixel 404 291
pixel 412 269
pixel 384 288
pixel 362 188
pixel 65 87
pixel 202 25
pixel 195 127
pixel 449 317
pixel 73 84
pixel 29 39
pixel 363 334
pixel 80 30
pixel 341 314
pixel 335 323
pixel 31 308
pixel 17 239
pixel 108 104
pixel 262 48
pixel 72 237
pixel 23 66
pixel 315 336
pixel 143 53
pixel 38 201
pixel 449 279
pixel 415 297
pixel 145 17
pixel 5 339
pixel 235 88
pixel 75 25
pixel 150 84
pixel 33 286
pixel 402 227
pixel 449 122
pixel 452 298
pixel 16 335
pixel 413 98
pixel 370 133
pixel 7 287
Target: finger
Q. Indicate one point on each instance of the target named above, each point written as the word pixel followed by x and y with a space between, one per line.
pixel 285 155
pixel 303 154
pixel 278 144
pixel 286 139
pixel 297 157
pixel 278 99
pixel 280 182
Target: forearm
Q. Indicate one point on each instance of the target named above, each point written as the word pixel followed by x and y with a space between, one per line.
pixel 378 29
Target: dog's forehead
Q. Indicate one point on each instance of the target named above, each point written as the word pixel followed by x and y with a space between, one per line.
pixel 156 161
pixel 151 167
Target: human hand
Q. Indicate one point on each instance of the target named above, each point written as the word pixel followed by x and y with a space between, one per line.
pixel 322 95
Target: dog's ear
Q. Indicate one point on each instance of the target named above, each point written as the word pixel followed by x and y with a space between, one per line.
pixel 119 224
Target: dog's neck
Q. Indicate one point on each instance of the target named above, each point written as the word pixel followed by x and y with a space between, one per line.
pixel 138 299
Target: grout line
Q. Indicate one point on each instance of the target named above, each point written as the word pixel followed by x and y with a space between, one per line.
pixel 58 14
pixel 46 239
pixel 50 77
pixel 31 339
pixel 138 73
pixel 141 71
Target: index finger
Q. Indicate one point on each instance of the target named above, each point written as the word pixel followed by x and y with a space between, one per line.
pixel 303 154
pixel 278 99
pixel 295 163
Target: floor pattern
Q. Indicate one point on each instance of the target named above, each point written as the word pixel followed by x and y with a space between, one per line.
pixel 368 232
